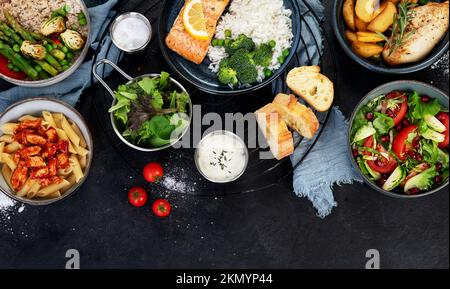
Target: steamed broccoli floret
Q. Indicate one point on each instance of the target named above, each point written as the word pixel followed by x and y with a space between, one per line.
pixel 241 62
pixel 263 55
pixel 241 42
pixel 228 76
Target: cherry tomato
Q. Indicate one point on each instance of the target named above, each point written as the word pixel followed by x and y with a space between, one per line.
pixel 398 114
pixel 399 145
pixel 161 208
pixel 444 118
pixel 381 164
pixel 153 172
pixel 8 72
pixel 137 196
pixel 56 40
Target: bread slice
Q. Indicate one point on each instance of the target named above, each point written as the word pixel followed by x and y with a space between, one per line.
pixel 296 115
pixel 275 131
pixel 315 88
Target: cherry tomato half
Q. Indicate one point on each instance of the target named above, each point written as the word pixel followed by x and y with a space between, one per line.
pixel 399 145
pixel 381 164
pixel 398 114
pixel 137 196
pixel 444 118
pixel 161 208
pixel 153 172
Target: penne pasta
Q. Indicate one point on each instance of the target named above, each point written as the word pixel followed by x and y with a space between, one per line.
pixel 27 117
pixel 62 135
pixel 6 138
pixel 7 173
pixel 12 147
pixel 9 128
pixel 44 192
pixel 72 181
pixel 39 150
pixel 77 171
pixel 25 188
pixel 48 118
pixel 77 130
pixel 35 187
pixel 2 149
pixel 71 134
pixel 9 161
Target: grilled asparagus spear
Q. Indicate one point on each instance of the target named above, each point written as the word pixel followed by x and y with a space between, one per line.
pixel 18 60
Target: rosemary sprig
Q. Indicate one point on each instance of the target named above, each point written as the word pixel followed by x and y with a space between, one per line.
pixel 399 33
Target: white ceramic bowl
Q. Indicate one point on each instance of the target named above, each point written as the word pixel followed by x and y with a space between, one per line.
pixel 35 107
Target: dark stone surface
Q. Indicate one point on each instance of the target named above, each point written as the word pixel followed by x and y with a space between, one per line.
pixel 267 229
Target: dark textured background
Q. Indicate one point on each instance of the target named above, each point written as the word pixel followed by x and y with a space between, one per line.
pixel 267 229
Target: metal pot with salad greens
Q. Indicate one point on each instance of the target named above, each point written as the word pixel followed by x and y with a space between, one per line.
pixel 151 112
pixel 400 142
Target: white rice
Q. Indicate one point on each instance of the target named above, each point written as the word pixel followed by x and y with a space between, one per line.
pixel 261 20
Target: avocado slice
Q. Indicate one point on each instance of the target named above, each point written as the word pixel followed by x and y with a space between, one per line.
pixel 395 179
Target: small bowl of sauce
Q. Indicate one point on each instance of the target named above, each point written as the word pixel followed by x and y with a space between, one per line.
pixel 221 157
pixel 131 32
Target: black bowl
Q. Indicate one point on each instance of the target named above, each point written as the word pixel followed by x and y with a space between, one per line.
pixel 200 75
pixel 339 27
pixel 402 85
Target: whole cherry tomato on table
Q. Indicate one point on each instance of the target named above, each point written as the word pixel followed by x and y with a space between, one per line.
pixel 161 208
pixel 153 172
pixel 137 196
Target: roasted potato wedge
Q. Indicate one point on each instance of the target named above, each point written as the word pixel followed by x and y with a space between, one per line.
pixel 379 9
pixel 385 20
pixel 351 36
pixel 370 37
pixel 360 25
pixel 398 1
pixel 365 9
pixel 349 14
pixel 366 50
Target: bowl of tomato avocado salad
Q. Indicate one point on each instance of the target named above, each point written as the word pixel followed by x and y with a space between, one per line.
pixel 399 139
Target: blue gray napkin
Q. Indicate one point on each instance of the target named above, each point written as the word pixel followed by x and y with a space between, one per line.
pixel 328 163
pixel 71 88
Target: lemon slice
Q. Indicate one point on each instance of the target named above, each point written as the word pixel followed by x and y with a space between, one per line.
pixel 194 20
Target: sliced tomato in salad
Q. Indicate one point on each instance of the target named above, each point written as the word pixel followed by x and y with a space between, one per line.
pixel 444 118
pixel 8 72
pixel 380 164
pixel 401 110
pixel 400 146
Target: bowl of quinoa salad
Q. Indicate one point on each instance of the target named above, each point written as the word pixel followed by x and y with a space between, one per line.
pixel 27 24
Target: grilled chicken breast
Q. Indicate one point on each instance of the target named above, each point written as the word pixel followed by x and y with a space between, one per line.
pixel 181 42
pixel 429 24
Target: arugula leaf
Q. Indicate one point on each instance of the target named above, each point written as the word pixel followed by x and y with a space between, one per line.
pixel 420 109
pixel 383 123
pixel 148 85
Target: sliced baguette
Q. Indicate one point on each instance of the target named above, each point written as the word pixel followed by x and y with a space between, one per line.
pixel 315 88
pixel 296 115
pixel 275 131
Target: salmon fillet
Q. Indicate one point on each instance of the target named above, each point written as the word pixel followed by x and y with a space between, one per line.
pixel 429 23
pixel 181 42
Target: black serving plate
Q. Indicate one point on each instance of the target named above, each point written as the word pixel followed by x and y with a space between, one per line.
pixel 201 76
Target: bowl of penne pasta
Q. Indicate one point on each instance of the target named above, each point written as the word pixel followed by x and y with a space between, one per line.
pixel 44 155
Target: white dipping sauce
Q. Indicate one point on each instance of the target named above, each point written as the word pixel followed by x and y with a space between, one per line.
pixel 222 157
pixel 131 33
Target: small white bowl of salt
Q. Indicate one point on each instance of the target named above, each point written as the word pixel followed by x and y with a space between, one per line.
pixel 131 32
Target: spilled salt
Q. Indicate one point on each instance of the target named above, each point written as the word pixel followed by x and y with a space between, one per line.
pixel 442 65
